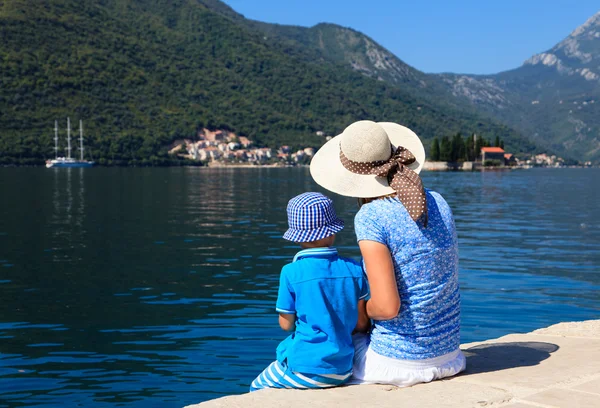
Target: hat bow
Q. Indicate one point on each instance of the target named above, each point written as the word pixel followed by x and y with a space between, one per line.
pixel 406 183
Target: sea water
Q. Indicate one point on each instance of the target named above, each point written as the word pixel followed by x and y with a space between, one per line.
pixel 156 287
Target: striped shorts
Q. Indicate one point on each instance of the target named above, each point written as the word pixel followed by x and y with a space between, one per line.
pixel 278 375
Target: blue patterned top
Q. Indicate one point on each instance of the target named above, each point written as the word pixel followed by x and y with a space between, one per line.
pixel 426 267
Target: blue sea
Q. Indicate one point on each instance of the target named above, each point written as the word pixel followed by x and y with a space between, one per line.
pixel 146 287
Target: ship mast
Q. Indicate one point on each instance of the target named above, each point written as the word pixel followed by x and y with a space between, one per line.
pixel 68 138
pixel 56 139
pixel 80 140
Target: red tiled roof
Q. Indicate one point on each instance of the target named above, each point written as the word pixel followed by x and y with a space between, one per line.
pixel 492 150
pixel 508 156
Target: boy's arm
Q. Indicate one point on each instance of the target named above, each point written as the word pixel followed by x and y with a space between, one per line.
pixel 364 323
pixel 288 321
pixel 286 303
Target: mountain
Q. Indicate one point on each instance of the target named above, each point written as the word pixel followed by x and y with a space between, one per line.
pixel 142 73
pixel 553 98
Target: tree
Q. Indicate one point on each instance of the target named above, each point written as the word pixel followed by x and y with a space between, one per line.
pixel 470 154
pixel 445 149
pixel 497 141
pixel 435 150
pixel 479 143
pixel 458 148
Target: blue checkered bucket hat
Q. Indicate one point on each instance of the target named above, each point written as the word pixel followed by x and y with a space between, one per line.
pixel 311 217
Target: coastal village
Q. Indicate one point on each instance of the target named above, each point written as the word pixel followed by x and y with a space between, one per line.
pixel 223 148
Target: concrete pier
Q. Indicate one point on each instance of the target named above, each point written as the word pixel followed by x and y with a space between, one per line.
pixel 451 166
pixel 558 366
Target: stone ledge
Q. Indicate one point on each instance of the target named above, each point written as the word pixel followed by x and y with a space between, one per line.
pixel 558 366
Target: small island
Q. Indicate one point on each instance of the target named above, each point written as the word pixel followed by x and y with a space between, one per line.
pixel 477 153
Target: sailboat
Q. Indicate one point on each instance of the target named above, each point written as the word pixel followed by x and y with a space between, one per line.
pixel 68 161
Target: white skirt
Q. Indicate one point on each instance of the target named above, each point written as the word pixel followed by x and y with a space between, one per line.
pixel 372 368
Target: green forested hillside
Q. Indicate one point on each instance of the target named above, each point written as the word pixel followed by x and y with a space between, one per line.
pixel 142 73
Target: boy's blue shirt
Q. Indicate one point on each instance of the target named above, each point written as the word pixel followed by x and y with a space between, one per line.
pixel 323 290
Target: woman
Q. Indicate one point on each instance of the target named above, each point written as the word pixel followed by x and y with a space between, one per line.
pixel 408 241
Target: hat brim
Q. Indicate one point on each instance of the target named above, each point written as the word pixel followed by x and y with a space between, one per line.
pixel 297 235
pixel 327 170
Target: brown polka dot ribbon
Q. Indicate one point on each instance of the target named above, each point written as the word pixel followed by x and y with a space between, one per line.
pixel 401 178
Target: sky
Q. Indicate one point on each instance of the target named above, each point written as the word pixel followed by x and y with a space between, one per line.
pixel 460 36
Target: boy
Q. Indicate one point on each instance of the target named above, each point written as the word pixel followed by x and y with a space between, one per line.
pixel 321 300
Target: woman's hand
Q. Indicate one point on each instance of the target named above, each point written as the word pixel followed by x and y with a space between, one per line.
pixel 287 321
pixel 385 301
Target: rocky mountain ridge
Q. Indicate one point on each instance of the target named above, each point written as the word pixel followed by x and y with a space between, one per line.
pixel 553 97
pixel 576 54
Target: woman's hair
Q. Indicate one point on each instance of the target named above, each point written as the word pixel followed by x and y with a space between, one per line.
pixel 363 201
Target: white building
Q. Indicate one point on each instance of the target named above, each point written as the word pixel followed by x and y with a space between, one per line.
pixel 309 151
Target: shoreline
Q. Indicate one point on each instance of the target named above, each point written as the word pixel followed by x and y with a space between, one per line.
pixel 557 366
pixel 445 167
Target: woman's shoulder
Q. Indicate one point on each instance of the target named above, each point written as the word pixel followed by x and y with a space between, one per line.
pixel 439 207
pixel 437 197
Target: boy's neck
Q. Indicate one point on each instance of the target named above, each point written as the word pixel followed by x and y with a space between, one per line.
pixel 305 245
pixel 321 243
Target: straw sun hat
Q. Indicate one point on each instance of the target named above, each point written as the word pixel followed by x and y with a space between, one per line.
pixel 363 142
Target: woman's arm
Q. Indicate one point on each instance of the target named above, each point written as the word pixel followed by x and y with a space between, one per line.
pixel 364 323
pixel 287 321
pixel 385 301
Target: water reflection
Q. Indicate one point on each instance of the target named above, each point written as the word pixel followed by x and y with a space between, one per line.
pixel 157 286
pixel 69 212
